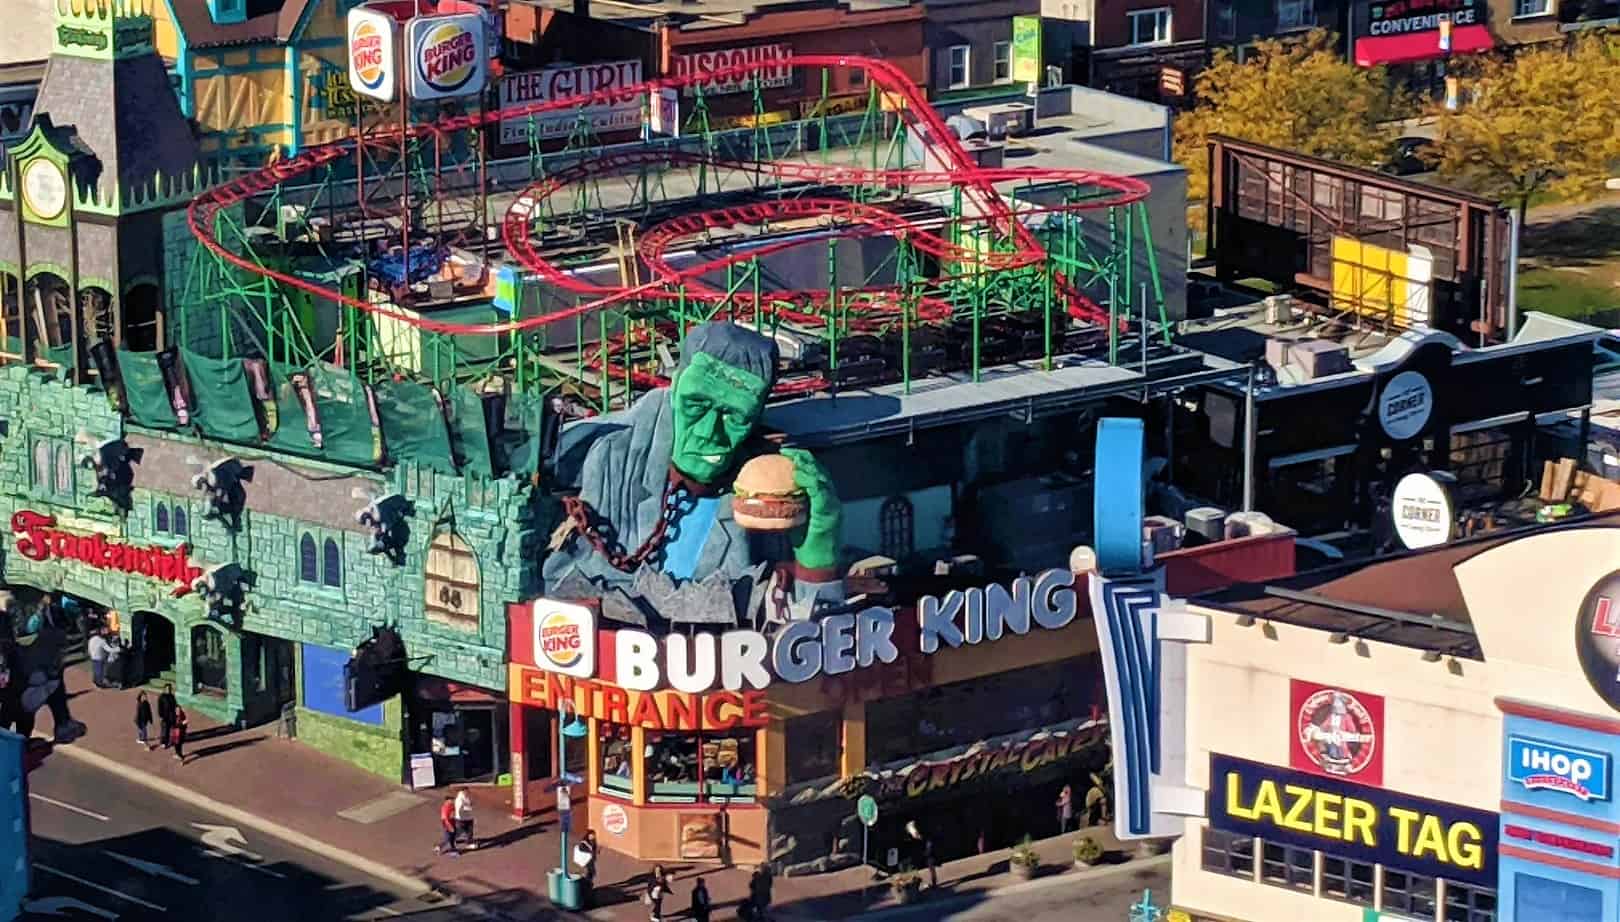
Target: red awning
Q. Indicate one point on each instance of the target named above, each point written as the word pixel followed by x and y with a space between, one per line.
pixel 1420 46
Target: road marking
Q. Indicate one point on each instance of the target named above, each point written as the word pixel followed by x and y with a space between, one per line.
pixel 95 886
pixel 55 906
pixel 227 842
pixel 153 868
pixel 66 806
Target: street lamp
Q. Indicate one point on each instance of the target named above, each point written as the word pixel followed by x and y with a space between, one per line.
pixel 560 885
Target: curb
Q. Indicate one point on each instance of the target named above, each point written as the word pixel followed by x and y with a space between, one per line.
pixel 415 886
pixel 963 900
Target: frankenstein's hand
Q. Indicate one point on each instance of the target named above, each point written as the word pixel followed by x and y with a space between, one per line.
pixel 816 542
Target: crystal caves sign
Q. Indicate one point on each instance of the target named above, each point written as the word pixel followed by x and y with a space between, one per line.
pixel 39 539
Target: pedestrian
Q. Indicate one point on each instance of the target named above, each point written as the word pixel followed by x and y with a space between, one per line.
pixel 447 828
pixel 143 719
pixel 100 651
pixel 928 856
pixel 117 662
pixel 585 857
pixel 464 817
pixel 1065 808
pixel 700 901
pixel 166 708
pixel 759 893
pixel 659 888
pixel 179 733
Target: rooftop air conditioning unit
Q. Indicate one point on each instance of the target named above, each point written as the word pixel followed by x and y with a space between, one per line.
pixel 1004 120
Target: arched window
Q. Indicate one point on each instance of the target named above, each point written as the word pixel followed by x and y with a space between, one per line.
pixel 452 582
pixel 896 532
pixel 308 565
pixel 42 465
pixel 181 526
pixel 64 470
pixel 160 518
pixel 331 564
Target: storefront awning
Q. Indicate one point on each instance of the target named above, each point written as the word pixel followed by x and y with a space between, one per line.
pixel 1420 46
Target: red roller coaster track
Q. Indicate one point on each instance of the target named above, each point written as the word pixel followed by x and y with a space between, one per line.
pixel 847 219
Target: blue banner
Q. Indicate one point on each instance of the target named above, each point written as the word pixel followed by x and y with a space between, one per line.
pixel 1354 821
pixel 323 686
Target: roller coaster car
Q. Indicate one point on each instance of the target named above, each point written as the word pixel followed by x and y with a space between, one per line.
pixel 930 351
pixel 860 361
pixel 1085 340
pixel 996 346
pixel 1028 331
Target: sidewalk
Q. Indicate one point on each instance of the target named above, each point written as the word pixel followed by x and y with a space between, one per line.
pixel 282 788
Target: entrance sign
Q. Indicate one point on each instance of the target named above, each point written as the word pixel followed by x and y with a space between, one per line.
pixel 1405 405
pixel 661 710
pixel 1368 824
pixel 38 539
pixel 1422 511
pixel 1539 765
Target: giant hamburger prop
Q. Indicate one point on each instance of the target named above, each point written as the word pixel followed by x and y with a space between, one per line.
pixel 766 496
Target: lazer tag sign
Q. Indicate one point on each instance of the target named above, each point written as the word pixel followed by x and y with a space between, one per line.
pixel 1367 824
pixel 1538 765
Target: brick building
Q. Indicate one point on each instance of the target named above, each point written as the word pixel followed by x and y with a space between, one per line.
pixel 1147 48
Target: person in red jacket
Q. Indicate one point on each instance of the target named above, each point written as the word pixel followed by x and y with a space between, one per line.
pixel 447 826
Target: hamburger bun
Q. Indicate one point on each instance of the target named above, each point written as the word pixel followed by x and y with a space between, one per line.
pixel 766 496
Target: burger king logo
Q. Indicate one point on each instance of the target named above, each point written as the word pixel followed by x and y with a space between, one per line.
pixel 447 56
pixel 564 638
pixel 561 641
pixel 368 55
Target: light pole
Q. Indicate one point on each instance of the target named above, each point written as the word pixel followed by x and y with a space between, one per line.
pixel 563 887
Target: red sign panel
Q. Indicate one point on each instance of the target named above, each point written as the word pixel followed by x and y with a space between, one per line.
pixel 1336 732
pixel 39 539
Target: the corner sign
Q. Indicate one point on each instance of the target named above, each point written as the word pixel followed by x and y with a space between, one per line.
pixel 39 539
pixel 564 638
pixel 1539 765
pixel 1405 405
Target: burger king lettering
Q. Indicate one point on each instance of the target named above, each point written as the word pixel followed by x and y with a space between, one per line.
pixel 447 56
pixel 371 54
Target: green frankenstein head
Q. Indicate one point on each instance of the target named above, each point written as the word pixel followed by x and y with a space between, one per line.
pixel 720 388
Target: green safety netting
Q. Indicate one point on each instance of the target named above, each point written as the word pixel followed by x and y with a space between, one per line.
pixel 468 433
pixel 342 413
pixel 144 391
pixel 292 428
pixel 517 451
pixel 413 425
pixel 225 405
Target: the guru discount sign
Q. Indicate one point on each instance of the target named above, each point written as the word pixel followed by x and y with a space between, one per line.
pixel 446 56
pixel 621 112
pixel 774 71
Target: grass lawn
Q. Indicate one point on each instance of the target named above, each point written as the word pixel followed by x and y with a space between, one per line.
pixel 1566 293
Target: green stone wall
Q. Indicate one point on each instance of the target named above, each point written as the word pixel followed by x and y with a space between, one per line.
pixel 497 518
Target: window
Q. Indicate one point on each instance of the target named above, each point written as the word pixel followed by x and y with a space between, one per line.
pixel 1296 14
pixel 208 670
pixel 452 582
pixel 613 745
pixel 1229 854
pixel 1287 866
pixel 896 530
pixel 1465 903
pixel 1150 27
pixel 814 743
pixel 308 564
pixel 170 520
pixel 64 470
pixel 1225 20
pixel 857 76
pixel 42 466
pixel 1001 54
pixel 182 528
pixel 1539 898
pixel 692 767
pixel 1410 894
pixel 160 519
pixel 1343 879
pixel 957 74
pixel 331 565
pixel 1525 8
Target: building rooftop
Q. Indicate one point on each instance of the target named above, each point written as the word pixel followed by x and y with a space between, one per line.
pixel 1410 599
pixel 267 21
pixel 703 14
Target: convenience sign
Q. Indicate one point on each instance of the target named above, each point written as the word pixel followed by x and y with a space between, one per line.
pixel 1355 821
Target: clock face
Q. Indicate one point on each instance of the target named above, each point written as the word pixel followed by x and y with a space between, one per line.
pixel 45 189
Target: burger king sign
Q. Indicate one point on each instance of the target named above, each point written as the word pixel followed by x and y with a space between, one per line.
pixel 447 56
pixel 371 54
pixel 564 638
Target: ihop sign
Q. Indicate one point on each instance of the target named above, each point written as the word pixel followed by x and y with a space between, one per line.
pixel 1538 765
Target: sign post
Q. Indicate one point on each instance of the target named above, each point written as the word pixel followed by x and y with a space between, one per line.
pixel 866 808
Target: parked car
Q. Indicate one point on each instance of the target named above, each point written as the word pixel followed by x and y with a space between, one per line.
pixel 1407 157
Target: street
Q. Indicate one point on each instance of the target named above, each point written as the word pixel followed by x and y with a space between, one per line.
pixel 1064 898
pixel 104 848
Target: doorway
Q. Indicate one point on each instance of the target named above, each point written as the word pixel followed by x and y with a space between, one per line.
pixel 153 642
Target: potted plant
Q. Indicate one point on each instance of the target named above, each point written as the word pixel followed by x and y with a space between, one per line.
pixel 1023 860
pixel 906 886
pixel 1087 852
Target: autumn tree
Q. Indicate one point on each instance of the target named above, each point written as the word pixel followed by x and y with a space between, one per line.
pixel 1299 95
pixel 1542 121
